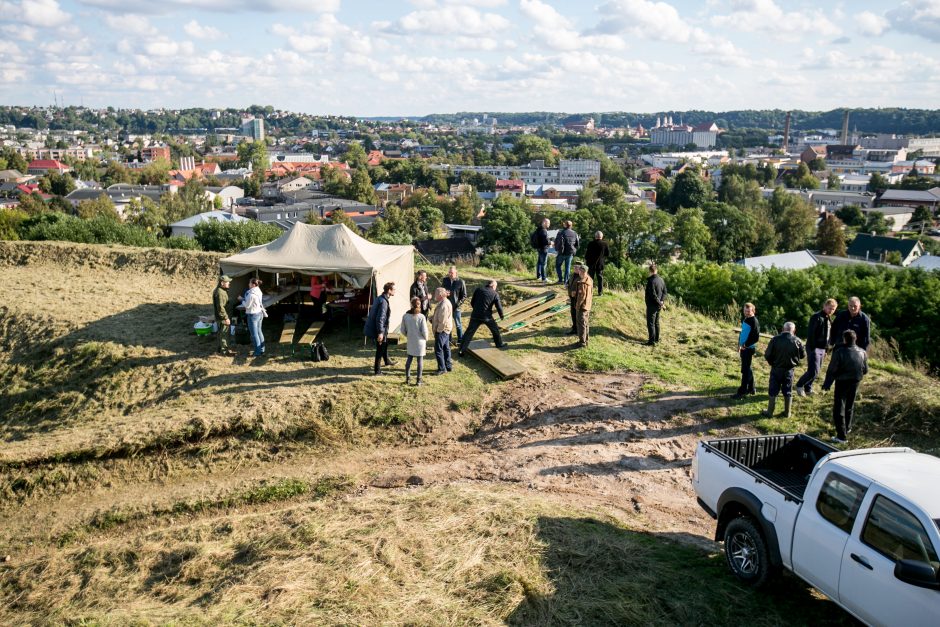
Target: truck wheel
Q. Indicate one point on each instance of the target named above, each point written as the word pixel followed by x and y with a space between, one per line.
pixel 746 552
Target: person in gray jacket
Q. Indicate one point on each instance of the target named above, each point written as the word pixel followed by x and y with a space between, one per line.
pixel 849 364
pixel 566 247
pixel 783 353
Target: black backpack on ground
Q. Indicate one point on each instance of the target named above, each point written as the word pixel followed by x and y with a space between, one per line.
pixel 318 352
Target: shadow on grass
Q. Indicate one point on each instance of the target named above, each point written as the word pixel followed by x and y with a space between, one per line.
pixel 603 574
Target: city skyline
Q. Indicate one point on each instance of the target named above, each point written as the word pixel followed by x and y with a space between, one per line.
pixel 369 58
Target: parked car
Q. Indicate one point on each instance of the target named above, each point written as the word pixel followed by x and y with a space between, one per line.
pixel 863 527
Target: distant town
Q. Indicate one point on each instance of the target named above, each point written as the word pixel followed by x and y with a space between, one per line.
pixel 170 170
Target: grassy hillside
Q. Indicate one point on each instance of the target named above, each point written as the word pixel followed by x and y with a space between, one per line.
pixel 144 478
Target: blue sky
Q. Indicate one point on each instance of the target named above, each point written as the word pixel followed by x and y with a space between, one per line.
pixel 384 57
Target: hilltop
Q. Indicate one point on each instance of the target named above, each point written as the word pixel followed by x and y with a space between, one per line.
pixel 143 477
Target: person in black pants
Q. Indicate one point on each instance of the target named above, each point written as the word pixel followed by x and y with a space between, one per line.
pixel 784 352
pixel 817 342
pixel 747 346
pixel 377 326
pixel 482 302
pixel 849 364
pixel 596 258
pixel 655 301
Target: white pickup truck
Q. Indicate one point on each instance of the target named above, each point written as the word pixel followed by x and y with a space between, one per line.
pixel 863 526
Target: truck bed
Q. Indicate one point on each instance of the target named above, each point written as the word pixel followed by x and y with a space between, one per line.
pixel 784 461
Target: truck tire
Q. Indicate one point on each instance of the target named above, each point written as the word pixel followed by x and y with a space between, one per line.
pixel 746 552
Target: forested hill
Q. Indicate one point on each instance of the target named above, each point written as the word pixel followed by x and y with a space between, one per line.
pixel 892 120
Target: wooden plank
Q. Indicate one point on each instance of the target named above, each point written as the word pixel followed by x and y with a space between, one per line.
pixel 496 359
pixel 528 322
pixel 287 332
pixel 510 323
pixel 528 304
pixel 312 332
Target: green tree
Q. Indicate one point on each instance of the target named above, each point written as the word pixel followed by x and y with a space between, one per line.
pixel 817 165
pixel 115 173
pixel 922 215
pixel 690 190
pixel 876 223
pixel 58 184
pixel 13 160
pixel 833 182
pixel 893 257
pixel 796 226
pixel 801 178
pixel 739 192
pixel 32 204
pixel 338 216
pixel 10 221
pixel 100 206
pixel 506 226
pixel 334 181
pixel 360 188
pixel 732 232
pixel 463 209
pixel 851 215
pixel 691 234
pixel 229 237
pixel 154 173
pixel 530 147
pixel 254 153
pixel 877 183
pixel 356 156
pixel 830 237
pixel 664 193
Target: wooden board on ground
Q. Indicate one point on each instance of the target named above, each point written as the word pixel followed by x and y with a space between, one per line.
pixel 513 322
pixel 312 332
pixel 528 303
pixel 545 315
pixel 286 341
pixel 496 359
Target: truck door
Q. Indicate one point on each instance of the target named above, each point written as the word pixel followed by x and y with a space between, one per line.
pixel 822 530
pixel 868 587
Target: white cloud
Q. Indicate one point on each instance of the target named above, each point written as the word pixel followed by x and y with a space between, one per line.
pixel 134 24
pixel 445 20
pixel 170 6
pixel 168 48
pixel 204 33
pixel 642 18
pixel 919 17
pixel 42 13
pixel 19 31
pixel 767 16
pixel 870 23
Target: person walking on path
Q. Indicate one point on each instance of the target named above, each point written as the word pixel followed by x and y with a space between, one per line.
pixel 817 342
pixel 541 244
pixel 419 290
pixel 254 310
pixel 784 352
pixel 849 364
pixel 222 319
pixel 596 258
pixel 442 322
pixel 747 346
pixel 414 326
pixel 376 327
pixel 852 319
pixel 483 301
pixel 584 297
pixel 655 301
pixel 566 246
pixel 456 294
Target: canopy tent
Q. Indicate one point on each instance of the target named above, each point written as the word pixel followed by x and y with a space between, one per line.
pixel 325 249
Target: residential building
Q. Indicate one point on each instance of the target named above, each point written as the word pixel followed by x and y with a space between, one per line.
pixel 253 128
pixel 13 176
pixel 466 231
pixel 44 166
pixel 832 200
pixel 394 193
pixel 702 135
pixel 581 127
pixel 927 262
pixel 230 194
pixel 797 260
pixel 911 198
pixel 155 153
pixel 854 182
pixel 121 194
pixel 569 192
pixel 878 248
pixel 897 216
pixel 569 171
pixel 512 187
pixel 460 189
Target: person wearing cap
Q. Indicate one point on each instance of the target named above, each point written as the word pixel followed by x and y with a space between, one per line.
pixel 220 303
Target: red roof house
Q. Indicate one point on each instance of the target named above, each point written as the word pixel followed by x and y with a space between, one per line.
pixel 44 166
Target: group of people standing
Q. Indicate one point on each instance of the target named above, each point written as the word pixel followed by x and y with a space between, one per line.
pixel 566 244
pixel 445 319
pixel 846 335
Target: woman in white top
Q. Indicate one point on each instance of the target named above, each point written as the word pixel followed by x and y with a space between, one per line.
pixel 254 309
pixel 414 326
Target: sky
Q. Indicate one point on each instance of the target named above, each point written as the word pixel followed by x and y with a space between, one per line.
pixel 414 57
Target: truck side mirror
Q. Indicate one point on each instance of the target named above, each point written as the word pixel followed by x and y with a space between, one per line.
pixel 917 573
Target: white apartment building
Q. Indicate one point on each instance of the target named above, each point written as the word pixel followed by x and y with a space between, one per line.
pixel 568 172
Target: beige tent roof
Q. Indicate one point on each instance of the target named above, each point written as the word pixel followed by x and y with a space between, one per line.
pixel 317 249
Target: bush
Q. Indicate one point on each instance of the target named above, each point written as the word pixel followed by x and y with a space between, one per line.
pixel 99 230
pixel 230 237
pixel 627 278
pixel 509 263
pixel 178 242
pixel 10 221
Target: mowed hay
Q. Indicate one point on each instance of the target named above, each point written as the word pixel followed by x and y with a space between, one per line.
pixel 458 555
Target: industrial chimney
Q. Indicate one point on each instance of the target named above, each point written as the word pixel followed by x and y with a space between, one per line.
pixel 786 135
pixel 845 128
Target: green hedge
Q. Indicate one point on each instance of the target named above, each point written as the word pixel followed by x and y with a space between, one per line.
pixel 229 237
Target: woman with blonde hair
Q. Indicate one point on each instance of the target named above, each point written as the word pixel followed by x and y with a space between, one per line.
pixel 414 326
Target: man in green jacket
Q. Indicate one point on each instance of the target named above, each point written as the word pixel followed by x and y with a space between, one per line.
pixel 220 304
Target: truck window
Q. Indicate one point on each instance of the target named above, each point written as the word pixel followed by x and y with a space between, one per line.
pixel 897 534
pixel 839 500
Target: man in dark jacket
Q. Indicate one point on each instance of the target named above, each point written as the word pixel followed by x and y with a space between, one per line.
pixel 377 326
pixel 483 300
pixel 419 290
pixel 655 301
pixel 541 244
pixel 596 258
pixel 849 364
pixel 784 353
pixel 456 294
pixel 817 342
pixel 852 319
pixel 566 245
pixel 747 346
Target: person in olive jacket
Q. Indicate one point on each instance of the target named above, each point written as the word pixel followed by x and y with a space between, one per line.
pixel 783 353
pixel 849 364
pixel 595 257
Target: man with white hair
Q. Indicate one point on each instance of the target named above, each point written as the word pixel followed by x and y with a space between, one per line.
pixel 852 319
pixel 784 353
